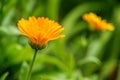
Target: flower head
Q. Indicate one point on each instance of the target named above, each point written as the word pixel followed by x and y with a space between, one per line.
pixel 97 23
pixel 40 30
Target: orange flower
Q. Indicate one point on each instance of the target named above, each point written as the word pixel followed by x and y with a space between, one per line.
pixel 40 31
pixel 97 23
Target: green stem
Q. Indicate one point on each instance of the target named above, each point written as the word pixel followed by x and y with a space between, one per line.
pixel 29 74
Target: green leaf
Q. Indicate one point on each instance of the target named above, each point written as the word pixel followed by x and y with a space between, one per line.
pixel 107 68
pixel 96 46
pixel 118 75
pixel 71 64
pixel 3 77
pixel 90 59
pixel 9 30
pixel 53 60
pixel 17 53
pixel 53 9
pixel 89 65
pixel 23 71
pixel 59 49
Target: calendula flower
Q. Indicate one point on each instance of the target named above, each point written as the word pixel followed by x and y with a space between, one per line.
pixel 97 23
pixel 40 30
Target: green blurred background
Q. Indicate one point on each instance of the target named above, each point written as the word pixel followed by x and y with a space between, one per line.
pixel 81 55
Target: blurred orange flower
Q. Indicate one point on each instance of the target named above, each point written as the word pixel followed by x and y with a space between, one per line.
pixel 97 23
pixel 40 31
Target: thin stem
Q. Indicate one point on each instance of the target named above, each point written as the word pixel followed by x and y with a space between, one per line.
pixel 29 74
